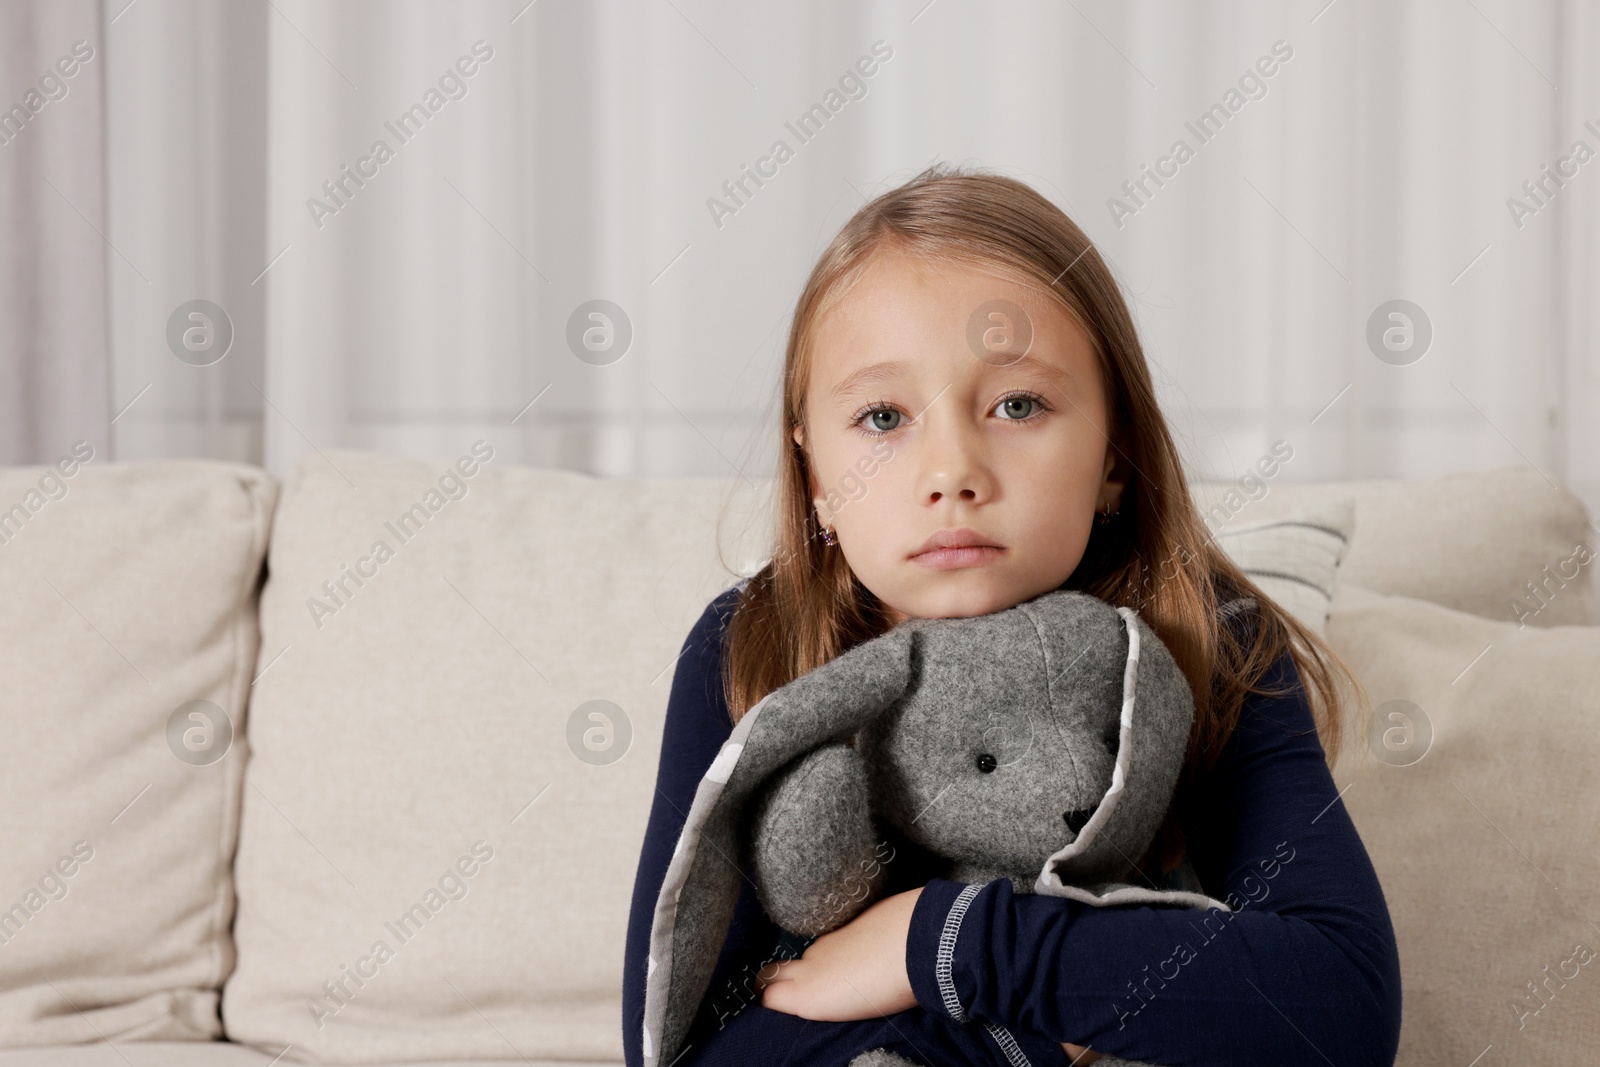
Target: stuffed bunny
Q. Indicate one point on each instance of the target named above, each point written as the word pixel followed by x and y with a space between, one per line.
pixel 1041 743
pixel 1003 750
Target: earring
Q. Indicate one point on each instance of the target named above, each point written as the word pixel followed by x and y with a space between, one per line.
pixel 827 536
pixel 1103 518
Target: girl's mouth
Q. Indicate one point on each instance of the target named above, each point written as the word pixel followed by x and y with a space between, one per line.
pixel 952 548
pixel 944 559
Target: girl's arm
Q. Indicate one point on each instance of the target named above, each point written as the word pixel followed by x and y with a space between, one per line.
pixel 1305 970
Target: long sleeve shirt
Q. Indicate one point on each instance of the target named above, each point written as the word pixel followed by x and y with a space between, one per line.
pixel 1304 969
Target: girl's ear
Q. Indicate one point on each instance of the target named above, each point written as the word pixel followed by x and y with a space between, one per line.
pixel 799 435
pixel 1112 481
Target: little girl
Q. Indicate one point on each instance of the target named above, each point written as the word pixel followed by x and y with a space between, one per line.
pixel 968 423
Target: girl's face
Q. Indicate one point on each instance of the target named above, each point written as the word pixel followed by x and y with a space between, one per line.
pixel 912 429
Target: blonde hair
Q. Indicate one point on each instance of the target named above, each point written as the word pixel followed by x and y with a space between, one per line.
pixel 805 606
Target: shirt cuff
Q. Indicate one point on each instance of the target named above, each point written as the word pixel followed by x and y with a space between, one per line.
pixel 931 945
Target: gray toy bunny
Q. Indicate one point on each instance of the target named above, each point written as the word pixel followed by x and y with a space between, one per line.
pixel 1041 743
pixel 1004 749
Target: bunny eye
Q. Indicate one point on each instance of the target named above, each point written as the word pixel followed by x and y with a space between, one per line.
pixel 987 763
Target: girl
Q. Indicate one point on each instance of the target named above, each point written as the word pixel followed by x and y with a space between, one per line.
pixel 969 422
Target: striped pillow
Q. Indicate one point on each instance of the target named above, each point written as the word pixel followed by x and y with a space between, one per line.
pixel 1295 559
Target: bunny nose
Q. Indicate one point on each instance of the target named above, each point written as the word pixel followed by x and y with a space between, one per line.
pixel 1076 819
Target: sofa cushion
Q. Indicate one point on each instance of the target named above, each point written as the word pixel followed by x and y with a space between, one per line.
pixel 454 752
pixel 129 596
pixel 1471 783
pixel 209 1054
pixel 1471 541
pixel 1296 559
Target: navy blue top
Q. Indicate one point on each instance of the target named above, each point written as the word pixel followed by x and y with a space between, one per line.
pixel 1303 970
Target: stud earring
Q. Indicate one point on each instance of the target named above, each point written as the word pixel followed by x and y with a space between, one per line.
pixel 827 536
pixel 1103 518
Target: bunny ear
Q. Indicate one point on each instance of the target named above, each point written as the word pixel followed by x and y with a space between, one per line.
pixel 842 695
pixel 1153 733
pixel 701 887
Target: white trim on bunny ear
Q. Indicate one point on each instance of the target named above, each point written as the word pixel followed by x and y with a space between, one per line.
pixel 1049 880
pixel 665 915
pixel 1119 772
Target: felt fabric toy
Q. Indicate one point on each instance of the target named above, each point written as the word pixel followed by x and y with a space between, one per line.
pixel 1041 743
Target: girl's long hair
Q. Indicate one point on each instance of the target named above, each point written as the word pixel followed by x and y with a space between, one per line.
pixel 805 606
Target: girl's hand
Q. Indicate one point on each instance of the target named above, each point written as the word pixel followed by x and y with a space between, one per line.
pixel 858 972
pixel 855 972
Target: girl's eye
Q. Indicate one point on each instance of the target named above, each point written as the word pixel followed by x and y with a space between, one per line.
pixel 879 416
pixel 883 417
pixel 1021 407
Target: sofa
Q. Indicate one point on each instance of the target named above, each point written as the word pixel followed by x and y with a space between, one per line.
pixel 355 768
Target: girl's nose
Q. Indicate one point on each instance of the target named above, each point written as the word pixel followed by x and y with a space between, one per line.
pixel 952 463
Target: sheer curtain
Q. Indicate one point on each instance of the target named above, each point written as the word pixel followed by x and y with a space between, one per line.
pixel 186 138
pixel 53 336
pixel 429 299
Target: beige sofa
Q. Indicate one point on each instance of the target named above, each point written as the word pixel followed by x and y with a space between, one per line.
pixel 386 806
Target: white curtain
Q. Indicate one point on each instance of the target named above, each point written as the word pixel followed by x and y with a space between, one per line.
pixel 54 372
pixel 429 305
pixel 186 135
